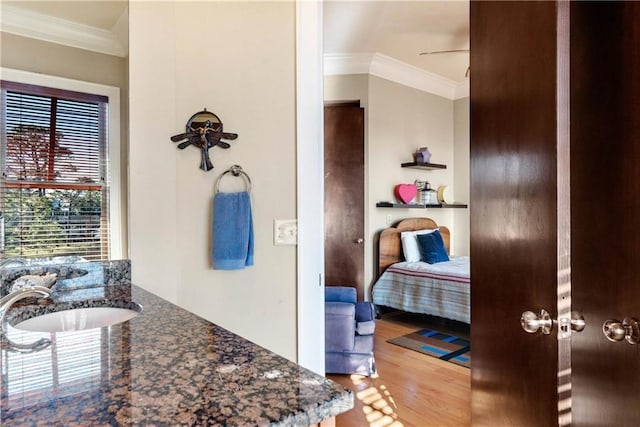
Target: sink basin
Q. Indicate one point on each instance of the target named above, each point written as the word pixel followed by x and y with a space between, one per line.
pixel 78 319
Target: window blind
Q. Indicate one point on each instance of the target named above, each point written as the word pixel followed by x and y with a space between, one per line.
pixel 54 187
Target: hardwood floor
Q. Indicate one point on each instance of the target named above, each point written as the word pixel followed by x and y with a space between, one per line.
pixel 410 389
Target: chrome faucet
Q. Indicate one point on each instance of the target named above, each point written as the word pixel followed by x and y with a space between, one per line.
pixel 6 303
pixel 33 291
pixel 10 261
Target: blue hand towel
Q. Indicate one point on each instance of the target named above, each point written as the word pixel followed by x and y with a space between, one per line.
pixel 232 231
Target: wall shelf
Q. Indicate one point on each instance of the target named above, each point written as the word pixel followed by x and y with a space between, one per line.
pixel 416 206
pixel 418 165
pixel 424 166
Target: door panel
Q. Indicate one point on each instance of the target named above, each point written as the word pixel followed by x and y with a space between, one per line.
pixel 605 218
pixel 513 211
pixel 522 100
pixel 344 196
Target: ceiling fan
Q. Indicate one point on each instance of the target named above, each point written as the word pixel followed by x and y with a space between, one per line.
pixel 444 51
pixel 434 52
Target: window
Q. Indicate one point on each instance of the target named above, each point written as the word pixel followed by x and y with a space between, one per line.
pixel 54 188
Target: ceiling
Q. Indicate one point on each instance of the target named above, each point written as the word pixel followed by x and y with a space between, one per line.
pixel 397 29
pixel 401 30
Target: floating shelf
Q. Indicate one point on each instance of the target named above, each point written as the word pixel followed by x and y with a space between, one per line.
pixel 416 206
pixel 419 165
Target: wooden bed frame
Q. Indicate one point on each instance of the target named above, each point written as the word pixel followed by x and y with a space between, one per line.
pixel 390 246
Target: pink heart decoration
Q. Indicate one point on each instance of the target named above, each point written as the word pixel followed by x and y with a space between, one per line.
pixel 406 192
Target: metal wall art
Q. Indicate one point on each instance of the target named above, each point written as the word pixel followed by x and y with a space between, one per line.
pixel 204 130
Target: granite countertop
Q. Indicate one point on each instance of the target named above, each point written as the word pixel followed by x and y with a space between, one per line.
pixel 166 366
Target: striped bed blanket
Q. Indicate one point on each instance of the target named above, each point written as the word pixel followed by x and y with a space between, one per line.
pixel 442 289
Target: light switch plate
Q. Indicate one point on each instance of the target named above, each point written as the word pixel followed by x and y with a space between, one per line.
pixel 285 232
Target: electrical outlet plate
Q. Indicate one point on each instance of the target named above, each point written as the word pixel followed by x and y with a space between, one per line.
pixel 285 232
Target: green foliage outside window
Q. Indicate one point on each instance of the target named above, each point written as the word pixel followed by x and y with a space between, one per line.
pixel 44 222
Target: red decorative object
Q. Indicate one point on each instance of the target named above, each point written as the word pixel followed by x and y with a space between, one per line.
pixel 405 192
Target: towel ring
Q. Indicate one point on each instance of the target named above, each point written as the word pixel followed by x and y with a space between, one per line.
pixel 235 170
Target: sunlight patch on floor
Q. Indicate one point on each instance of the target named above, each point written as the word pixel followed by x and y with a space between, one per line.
pixel 378 404
pixel 361 379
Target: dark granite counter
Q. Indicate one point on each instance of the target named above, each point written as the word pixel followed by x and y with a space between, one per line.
pixel 164 367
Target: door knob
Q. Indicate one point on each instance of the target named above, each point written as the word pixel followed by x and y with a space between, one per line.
pixel 628 329
pixel 532 322
pixel 359 240
pixel 577 322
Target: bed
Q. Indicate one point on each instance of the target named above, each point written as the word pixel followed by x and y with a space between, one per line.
pixel 441 289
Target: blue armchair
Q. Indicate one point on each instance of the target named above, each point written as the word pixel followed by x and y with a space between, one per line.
pixel 349 328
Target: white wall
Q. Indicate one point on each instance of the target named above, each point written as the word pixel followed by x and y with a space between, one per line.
pixel 236 59
pixel 399 120
pixel 461 136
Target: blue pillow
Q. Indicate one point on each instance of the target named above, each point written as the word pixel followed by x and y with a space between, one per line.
pixel 432 248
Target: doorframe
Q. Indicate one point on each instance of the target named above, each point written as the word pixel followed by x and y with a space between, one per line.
pixel 310 185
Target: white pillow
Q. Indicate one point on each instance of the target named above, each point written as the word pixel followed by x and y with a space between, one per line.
pixel 410 244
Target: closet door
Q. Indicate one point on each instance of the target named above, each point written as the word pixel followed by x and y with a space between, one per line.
pixel 514 207
pixel 555 219
pixel 605 236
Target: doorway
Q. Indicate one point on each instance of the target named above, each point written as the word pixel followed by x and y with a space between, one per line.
pixel 398 122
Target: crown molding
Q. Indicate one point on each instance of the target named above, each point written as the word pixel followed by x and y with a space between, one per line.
pixel 352 63
pixel 396 71
pixel 462 90
pixel 34 25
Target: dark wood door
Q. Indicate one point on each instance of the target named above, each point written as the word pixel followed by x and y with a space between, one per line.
pixel 555 125
pixel 605 237
pixel 344 196
pixel 513 211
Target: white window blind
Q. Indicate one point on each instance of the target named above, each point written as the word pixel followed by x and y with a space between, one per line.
pixel 54 188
